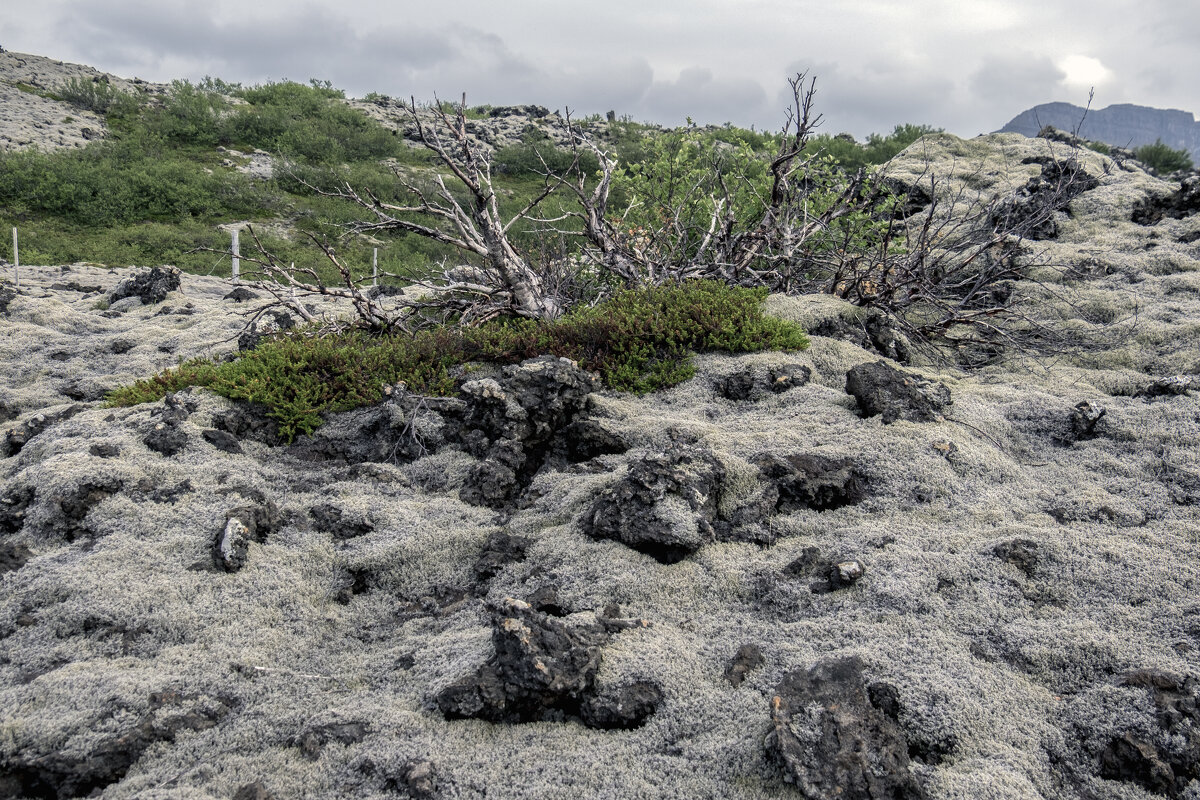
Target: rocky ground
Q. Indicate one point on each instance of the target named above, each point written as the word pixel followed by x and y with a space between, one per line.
pixel 30 119
pixel 804 574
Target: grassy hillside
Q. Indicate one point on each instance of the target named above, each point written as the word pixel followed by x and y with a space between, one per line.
pixel 156 190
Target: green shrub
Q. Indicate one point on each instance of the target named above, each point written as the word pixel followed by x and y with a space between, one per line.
pixel 98 95
pixel 638 341
pixel 307 122
pixel 1162 159
pixel 189 114
pixel 120 181
pixel 536 153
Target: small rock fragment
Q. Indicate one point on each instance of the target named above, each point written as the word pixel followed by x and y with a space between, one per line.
pixel 748 658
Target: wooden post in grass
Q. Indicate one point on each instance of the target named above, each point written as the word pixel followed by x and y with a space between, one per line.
pixel 237 261
pixel 374 266
pixel 16 261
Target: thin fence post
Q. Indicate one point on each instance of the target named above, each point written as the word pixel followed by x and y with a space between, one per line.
pixel 291 272
pixel 237 262
pixel 16 261
pixel 374 266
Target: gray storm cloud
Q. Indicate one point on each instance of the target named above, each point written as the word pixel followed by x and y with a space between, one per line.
pixel 965 67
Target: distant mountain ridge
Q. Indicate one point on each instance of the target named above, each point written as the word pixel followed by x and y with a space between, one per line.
pixel 1121 125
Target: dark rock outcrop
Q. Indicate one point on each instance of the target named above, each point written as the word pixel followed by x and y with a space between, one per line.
pixel 748 658
pixel 512 424
pixel 626 707
pixel 339 524
pixel 808 480
pixel 500 550
pixel 16 437
pixel 151 286
pixel 74 773
pixel 1030 213
pixel 1184 202
pixel 832 742
pixel 1167 762
pixel 244 525
pixel 881 389
pixel 543 669
pixel 638 510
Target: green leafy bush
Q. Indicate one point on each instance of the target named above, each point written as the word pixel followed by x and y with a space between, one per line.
pixel 536 154
pixel 1162 159
pixel 120 181
pixel 638 341
pixel 307 122
pixel 97 95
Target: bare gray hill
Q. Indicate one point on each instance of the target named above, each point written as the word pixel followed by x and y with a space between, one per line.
pixel 797 575
pixel 31 115
pixel 1119 125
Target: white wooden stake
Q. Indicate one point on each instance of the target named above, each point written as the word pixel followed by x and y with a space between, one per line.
pixel 16 261
pixel 374 266
pixel 237 262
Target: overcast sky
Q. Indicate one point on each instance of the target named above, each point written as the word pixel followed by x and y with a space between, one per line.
pixel 965 65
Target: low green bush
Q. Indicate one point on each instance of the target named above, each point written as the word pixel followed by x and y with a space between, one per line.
pixel 639 341
pixel 1163 159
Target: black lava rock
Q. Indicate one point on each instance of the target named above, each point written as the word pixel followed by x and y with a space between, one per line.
pixel 807 480
pixel 629 512
pixel 499 551
pixel 748 658
pixel 1181 203
pixel 330 519
pixel 832 742
pixel 542 669
pixel 222 440
pixel 244 525
pixel 151 286
pixel 895 394
pixel 627 707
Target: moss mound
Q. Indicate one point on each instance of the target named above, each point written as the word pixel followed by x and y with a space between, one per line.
pixel 639 341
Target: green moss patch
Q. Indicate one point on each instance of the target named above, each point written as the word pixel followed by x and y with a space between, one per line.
pixel 638 341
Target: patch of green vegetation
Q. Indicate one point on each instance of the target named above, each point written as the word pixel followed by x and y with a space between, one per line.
pixel 1162 158
pixel 99 96
pixel 29 88
pixel 639 341
pixel 850 154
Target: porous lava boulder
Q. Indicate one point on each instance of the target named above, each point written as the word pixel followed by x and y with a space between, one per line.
pixel 810 480
pixel 16 437
pixel 623 708
pixel 1165 763
pixel 511 424
pixel 150 286
pixel 1030 212
pixel 244 525
pixel 748 658
pixel 664 507
pixel 167 436
pixel 543 669
pixel 895 394
pixel 86 772
pixel 69 505
pixel 529 403
pixel 1179 204
pixel 832 742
